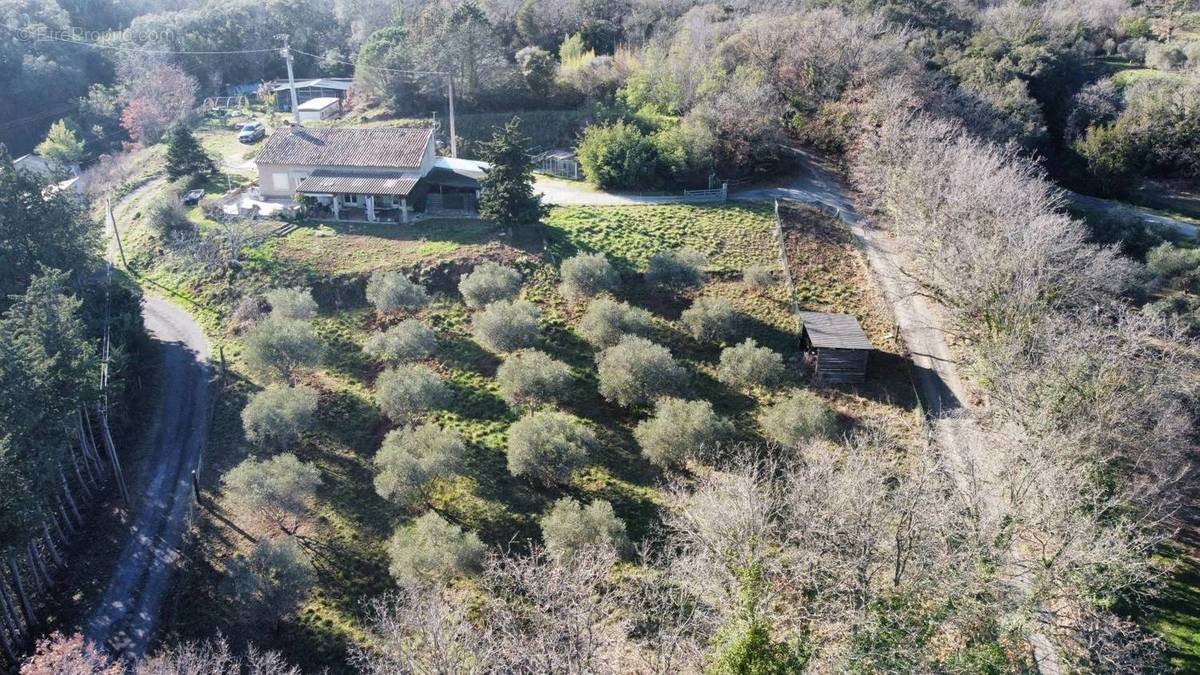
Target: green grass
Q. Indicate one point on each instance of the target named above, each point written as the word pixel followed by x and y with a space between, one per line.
pixel 1175 614
pixel 1130 76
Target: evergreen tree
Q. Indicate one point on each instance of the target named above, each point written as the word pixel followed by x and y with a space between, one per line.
pixel 62 147
pixel 508 196
pixel 185 157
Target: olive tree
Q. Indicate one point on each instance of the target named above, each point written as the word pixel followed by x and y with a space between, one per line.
pixel 530 377
pixel 588 275
pixel 710 320
pixel 276 416
pixel 680 269
pixel 408 391
pixel 548 446
pixel 392 291
pixel 291 303
pixel 409 340
pixel 637 372
pixel 269 583
pixel 681 430
pixel 488 283
pixel 273 495
pixel 748 365
pixel 570 528
pixel 279 347
pixel 410 459
pixel 606 321
pixel 432 550
pixel 505 326
pixel 799 418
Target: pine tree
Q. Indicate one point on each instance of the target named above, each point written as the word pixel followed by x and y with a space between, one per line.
pixel 508 197
pixel 185 157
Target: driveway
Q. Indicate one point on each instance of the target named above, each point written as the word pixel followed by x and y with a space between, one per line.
pixel 1182 227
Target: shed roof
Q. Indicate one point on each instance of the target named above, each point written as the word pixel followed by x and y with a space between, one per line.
pixel 319 103
pixel 319 83
pixel 347 147
pixel 334 181
pixel 834 331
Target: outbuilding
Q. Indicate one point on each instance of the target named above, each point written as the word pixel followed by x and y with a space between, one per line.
pixel 317 109
pixel 836 345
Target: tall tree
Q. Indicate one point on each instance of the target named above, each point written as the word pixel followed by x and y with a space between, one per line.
pixel 185 157
pixel 508 197
pixel 62 147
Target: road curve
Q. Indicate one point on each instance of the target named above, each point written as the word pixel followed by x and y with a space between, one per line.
pixel 126 616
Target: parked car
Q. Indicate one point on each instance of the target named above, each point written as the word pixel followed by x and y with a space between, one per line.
pixel 251 132
pixel 192 197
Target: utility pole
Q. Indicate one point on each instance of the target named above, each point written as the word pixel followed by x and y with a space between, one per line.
pixel 453 136
pixel 287 55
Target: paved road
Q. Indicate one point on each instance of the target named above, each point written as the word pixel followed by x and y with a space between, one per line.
pixel 128 611
pixel 574 193
pixel 1183 227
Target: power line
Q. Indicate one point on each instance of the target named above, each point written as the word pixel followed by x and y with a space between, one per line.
pixel 38 36
pixel 369 67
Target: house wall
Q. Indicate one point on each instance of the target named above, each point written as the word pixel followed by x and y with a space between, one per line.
pixel 289 175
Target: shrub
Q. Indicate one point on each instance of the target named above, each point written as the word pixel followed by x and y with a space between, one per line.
pixel 166 216
pixel 406 392
pixel 433 550
pixel 411 458
pixel 570 528
pixel 637 372
pixel 282 346
pixel 269 583
pixel 248 312
pixel 759 277
pixel 505 326
pixel 274 495
pixel 530 377
pixel 710 320
pixel 291 303
pixel 679 269
pixel 276 416
pixel 392 291
pixel 606 321
pixel 548 446
pixel 748 365
pixel 488 283
pixel 410 340
pixel 799 418
pixel 588 275
pixel 1168 263
pixel 680 430
pixel 617 156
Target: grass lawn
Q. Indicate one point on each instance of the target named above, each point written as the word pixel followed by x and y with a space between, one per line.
pixel 348 546
pixel 1175 614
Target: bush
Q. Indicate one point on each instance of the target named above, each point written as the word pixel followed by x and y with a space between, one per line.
pixel 291 303
pixel 548 446
pixel 759 277
pixel 677 269
pixel 1169 263
pixel 276 416
pixel 618 156
pixel 710 320
pixel 411 458
pixel 606 321
pixel 269 583
pixel 392 291
pixel 800 417
pixel 167 216
pixel 748 365
pixel 406 392
pixel 410 340
pixel 282 346
pixel 570 528
pixel 505 326
pixel 273 495
pixel 681 430
pixel 433 550
pixel 488 283
pixel 531 377
pixel 588 275
pixel 637 372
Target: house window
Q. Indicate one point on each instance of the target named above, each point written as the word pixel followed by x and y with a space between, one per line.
pixel 352 199
pixel 279 181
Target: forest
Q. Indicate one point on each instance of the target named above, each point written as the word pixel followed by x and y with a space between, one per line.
pixel 578 438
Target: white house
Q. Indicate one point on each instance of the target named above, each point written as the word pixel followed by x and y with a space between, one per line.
pixel 365 174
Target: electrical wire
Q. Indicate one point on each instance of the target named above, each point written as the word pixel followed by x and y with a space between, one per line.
pixel 368 67
pixel 30 36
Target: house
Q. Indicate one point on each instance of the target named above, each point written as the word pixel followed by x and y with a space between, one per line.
pixel 317 109
pixel 836 345
pixel 34 164
pixel 307 90
pixel 368 175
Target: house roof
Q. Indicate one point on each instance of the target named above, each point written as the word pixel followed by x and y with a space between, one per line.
pixel 834 331
pixel 389 148
pixel 335 181
pixel 471 168
pixel 319 83
pixel 320 103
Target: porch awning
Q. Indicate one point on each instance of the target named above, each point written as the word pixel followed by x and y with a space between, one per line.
pixel 334 181
pixel 450 178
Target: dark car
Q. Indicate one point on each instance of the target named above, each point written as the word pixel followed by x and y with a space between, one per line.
pixel 251 132
pixel 192 197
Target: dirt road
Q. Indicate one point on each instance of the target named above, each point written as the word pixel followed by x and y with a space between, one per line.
pixel 129 608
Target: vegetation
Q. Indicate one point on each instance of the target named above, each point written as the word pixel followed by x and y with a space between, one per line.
pixel 291 303
pixel 489 283
pixel 392 291
pixel 409 340
pixel 677 270
pixel 505 326
pixel 406 392
pixel 185 157
pixel 607 321
pixel 529 378
pixel 798 419
pixel 548 446
pixel 410 459
pixel 570 528
pixel 710 320
pixel 588 275
pixel 268 584
pixel 276 416
pixel 747 365
pixel 275 496
pixel 636 372
pixel 681 431
pixel 433 550
pixel 278 347
pixel 508 198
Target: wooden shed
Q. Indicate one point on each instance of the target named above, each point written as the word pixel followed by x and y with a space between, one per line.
pixel 837 345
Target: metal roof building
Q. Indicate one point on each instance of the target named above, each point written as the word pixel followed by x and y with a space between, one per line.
pixel 838 344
